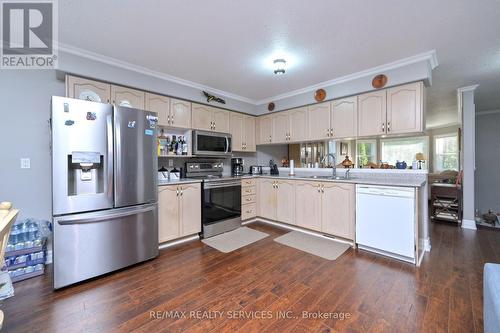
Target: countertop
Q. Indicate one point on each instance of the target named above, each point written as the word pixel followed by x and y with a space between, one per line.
pixel 355 179
pixel 178 181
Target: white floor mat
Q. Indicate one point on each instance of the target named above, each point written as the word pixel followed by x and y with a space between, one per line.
pixel 318 246
pixel 233 240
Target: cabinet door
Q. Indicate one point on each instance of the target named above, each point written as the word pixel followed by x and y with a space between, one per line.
pixel 372 113
pixel 285 198
pixel 236 128
pixel 345 118
pixel 202 117
pixel 338 210
pixel 298 124
pixel 308 205
pixel 405 109
pixel 265 129
pixel 161 105
pixel 221 120
pixel 249 133
pixel 267 199
pixel 180 113
pixel 168 213
pixel 124 96
pixel 77 87
pixel 190 203
pixel 281 127
pixel 319 121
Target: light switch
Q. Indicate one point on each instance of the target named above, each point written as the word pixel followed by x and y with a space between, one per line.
pixel 25 163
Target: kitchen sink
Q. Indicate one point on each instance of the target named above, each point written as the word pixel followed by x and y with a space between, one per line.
pixel 331 177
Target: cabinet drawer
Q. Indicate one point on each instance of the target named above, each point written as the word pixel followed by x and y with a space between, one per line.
pixel 248 211
pixel 249 190
pixel 248 182
pixel 248 199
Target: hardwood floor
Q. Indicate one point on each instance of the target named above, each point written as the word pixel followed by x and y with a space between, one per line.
pixel 262 279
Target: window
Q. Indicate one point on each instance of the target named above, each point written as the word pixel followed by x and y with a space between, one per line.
pixel 446 152
pixel 404 149
pixel 366 152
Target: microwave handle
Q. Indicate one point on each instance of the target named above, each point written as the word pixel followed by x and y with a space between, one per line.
pixel 227 144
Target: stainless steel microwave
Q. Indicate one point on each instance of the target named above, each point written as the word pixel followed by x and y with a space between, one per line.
pixel 211 143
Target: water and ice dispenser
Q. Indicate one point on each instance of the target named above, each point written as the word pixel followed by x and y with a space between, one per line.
pixel 85 173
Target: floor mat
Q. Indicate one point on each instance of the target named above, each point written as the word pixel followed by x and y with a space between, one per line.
pixel 319 246
pixel 233 240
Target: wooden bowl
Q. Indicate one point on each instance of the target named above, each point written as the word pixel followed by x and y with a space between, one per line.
pixel 379 81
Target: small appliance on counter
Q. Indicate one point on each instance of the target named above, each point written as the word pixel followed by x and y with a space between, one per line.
pixel 163 174
pixel 237 166
pixel 274 168
pixel 256 170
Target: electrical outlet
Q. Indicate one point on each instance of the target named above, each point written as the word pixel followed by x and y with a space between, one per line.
pixel 170 162
pixel 25 163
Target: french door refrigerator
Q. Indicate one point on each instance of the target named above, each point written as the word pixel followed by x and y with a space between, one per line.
pixel 104 188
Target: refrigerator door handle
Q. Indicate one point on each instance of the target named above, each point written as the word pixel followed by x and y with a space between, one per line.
pixel 110 166
pixel 103 216
pixel 227 144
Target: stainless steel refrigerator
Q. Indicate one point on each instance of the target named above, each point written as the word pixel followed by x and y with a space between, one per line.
pixel 104 188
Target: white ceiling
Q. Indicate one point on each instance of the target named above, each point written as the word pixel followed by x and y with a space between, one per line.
pixel 224 44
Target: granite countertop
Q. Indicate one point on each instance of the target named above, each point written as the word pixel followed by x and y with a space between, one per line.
pixel 385 181
pixel 178 181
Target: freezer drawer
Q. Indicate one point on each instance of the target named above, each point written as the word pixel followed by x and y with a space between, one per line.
pixel 91 244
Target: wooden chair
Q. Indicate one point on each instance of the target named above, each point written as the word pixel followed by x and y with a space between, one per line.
pixel 7 218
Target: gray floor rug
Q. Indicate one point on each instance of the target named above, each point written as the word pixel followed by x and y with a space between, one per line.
pixel 233 240
pixel 318 246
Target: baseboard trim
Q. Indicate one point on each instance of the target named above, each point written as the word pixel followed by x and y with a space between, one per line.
pixel 469 224
pixel 178 241
pixel 294 228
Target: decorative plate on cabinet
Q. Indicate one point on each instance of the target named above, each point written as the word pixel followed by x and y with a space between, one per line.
pixel 89 95
pixel 320 95
pixel 125 103
pixel 270 106
pixel 379 81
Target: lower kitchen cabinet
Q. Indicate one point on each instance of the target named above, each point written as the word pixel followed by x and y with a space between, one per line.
pixel 285 201
pixel 338 209
pixel 179 211
pixel 267 198
pixel 308 205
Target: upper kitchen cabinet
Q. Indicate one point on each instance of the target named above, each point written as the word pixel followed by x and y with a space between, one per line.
pixel 94 91
pixel 265 129
pixel 372 113
pixel 298 124
pixel 319 121
pixel 405 109
pixel 180 113
pixel 281 127
pixel 128 97
pixel 242 129
pixel 221 120
pixel 208 118
pixel 344 118
pixel 161 105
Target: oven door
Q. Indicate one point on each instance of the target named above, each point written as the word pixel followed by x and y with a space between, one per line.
pixel 221 205
pixel 211 143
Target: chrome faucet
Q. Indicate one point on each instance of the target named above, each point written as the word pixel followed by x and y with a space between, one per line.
pixel 347 173
pixel 334 163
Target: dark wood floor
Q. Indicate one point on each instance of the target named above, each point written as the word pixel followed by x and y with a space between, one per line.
pixel 380 294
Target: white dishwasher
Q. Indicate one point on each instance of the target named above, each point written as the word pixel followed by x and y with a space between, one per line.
pixel 385 220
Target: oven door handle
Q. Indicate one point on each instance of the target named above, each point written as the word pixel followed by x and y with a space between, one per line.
pixel 209 185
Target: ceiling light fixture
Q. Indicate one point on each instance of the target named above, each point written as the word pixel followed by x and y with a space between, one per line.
pixel 279 66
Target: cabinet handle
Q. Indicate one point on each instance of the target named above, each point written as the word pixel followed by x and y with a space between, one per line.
pixel 319 190
pixel 177 192
pixel 108 100
pixel 181 191
pixel 331 131
pixel 172 120
pixel 383 128
pixel 249 199
pixel 328 132
pixel 389 126
pixel 322 188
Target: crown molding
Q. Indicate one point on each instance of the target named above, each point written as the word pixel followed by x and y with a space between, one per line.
pixel 146 71
pixel 468 88
pixel 429 56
